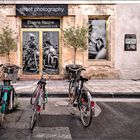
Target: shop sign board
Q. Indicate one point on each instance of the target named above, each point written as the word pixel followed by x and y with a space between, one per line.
pixel 41 9
pixel 40 23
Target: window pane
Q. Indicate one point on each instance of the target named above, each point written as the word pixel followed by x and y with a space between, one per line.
pixel 97 39
pixel 51 52
pixel 30 52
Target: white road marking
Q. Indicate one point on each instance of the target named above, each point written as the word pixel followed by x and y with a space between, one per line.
pixel 62 133
pixel 116 99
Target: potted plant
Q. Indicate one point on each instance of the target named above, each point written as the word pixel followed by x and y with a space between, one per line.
pixel 8 44
pixel 76 37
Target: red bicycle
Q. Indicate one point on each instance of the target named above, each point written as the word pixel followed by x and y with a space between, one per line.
pixel 38 98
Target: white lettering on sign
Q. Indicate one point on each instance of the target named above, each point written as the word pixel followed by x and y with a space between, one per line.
pixel 41 9
pixel 130 41
pixel 26 9
pixel 44 9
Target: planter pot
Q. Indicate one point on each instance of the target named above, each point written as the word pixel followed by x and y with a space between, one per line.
pixel 72 66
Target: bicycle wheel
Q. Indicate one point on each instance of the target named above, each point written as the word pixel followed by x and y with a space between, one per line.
pixel 3 111
pixel 4 106
pixel 33 96
pixel 72 91
pixel 11 100
pixel 44 98
pixel 33 119
pixel 85 108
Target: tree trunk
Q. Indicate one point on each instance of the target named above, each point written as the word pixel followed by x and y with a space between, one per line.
pixel 75 49
pixel 8 58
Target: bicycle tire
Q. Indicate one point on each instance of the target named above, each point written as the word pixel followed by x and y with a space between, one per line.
pixel 11 101
pixel 4 106
pixel 72 91
pixel 44 98
pixel 33 119
pixel 33 96
pixel 85 108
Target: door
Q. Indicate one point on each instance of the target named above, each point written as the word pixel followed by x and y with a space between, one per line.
pixel 40 51
pixel 30 52
pixel 50 49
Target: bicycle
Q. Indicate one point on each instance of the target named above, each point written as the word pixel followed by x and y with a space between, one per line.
pixel 79 94
pixel 7 95
pixel 39 97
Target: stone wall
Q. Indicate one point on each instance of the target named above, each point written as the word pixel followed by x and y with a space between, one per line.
pixel 127 22
pixel 96 69
pixel 7 14
pixel 78 15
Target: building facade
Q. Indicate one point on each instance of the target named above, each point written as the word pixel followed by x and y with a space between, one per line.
pixel 113 44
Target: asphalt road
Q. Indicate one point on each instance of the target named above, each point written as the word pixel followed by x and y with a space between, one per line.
pixel 60 121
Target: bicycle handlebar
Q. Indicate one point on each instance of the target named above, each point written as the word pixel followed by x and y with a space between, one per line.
pixel 76 70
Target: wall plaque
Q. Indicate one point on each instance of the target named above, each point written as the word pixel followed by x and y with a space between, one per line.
pixel 130 42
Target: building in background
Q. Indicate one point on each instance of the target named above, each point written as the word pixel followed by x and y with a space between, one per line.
pixel 113 44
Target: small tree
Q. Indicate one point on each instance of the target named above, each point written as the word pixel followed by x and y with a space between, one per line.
pixel 76 37
pixel 7 43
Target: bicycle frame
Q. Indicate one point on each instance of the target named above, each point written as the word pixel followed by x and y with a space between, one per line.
pixel 78 85
pixel 38 97
pixel 7 97
pixel 81 97
pixel 81 87
pixel 6 91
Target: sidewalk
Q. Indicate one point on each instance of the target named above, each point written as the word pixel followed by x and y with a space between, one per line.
pixel 98 88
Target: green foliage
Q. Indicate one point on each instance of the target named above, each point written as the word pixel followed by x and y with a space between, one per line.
pixel 7 43
pixel 76 37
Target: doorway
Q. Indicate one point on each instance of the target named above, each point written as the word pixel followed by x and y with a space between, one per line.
pixel 40 51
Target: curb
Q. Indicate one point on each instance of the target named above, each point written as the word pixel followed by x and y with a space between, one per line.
pixel 116 95
pixel 94 95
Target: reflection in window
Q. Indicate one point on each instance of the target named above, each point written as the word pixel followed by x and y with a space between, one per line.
pixel 97 39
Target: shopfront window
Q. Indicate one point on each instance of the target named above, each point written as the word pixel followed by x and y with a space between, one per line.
pixel 40 46
pixel 50 46
pixel 30 52
pixel 97 39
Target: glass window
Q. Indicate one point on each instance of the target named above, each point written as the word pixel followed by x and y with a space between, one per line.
pixel 97 39
pixel 51 52
pixel 30 52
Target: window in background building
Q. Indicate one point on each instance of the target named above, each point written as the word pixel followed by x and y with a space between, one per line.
pixel 97 39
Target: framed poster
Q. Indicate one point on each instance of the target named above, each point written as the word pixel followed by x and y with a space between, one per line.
pixel 97 48
pixel 130 42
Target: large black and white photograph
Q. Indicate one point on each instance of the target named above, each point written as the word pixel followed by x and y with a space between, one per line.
pixel 51 52
pixel 30 52
pixel 97 39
